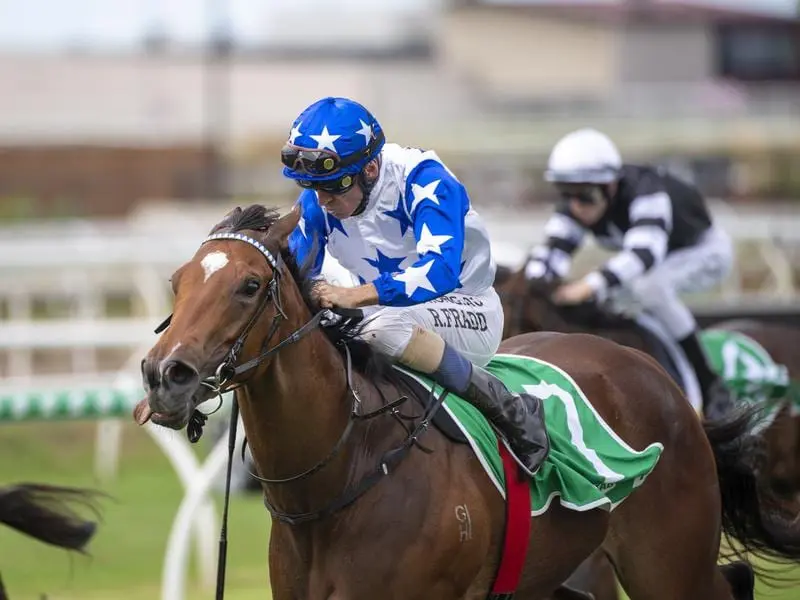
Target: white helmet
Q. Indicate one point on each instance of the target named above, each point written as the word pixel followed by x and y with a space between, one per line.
pixel 584 156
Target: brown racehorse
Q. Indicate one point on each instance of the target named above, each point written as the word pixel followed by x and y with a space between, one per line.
pixel 528 308
pixel 44 512
pixel 241 318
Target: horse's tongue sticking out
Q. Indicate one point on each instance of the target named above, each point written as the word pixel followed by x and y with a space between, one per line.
pixel 142 412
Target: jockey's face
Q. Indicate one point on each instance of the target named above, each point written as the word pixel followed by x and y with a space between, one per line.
pixel 344 205
pixel 587 203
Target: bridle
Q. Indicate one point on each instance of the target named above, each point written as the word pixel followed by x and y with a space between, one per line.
pixel 228 370
pixel 224 380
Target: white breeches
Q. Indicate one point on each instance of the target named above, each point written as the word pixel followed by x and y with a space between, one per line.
pixel 472 325
pixel 694 269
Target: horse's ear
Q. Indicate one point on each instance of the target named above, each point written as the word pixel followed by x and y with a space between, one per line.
pixel 502 274
pixel 232 214
pixel 280 230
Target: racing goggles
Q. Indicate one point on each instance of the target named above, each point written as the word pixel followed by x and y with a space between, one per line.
pixel 583 193
pixel 320 162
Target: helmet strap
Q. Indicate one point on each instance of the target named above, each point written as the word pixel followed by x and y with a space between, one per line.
pixel 366 188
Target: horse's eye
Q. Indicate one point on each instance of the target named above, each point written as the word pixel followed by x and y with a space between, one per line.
pixel 251 287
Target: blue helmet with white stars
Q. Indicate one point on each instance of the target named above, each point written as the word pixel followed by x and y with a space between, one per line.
pixel 332 139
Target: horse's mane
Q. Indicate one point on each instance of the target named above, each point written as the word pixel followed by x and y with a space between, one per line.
pixel 593 316
pixel 589 315
pixel 340 332
pixel 253 218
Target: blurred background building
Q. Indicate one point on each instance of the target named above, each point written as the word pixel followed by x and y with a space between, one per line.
pixel 92 127
pixel 115 120
pixel 128 128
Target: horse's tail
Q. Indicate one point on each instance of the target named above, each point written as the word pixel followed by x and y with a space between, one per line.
pixel 45 512
pixel 751 514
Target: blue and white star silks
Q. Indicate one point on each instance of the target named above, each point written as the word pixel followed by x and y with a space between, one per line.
pixel 400 215
pixel 307 241
pixel 386 264
pixel 429 242
pixel 410 240
pixel 334 223
pixel 416 277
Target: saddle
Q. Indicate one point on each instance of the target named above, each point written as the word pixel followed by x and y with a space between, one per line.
pixel 414 389
pixel 424 399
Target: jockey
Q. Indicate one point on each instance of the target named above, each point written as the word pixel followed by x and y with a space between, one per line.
pixel 400 221
pixel 662 229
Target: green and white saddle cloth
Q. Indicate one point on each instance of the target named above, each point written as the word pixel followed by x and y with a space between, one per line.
pixel 750 372
pixel 589 466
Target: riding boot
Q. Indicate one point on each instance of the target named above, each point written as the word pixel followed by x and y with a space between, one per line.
pixel 518 417
pixel 717 400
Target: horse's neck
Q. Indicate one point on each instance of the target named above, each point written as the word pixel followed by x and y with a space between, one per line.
pixel 555 322
pixel 295 411
pixel 631 337
pixel 627 336
pixel 551 320
pixel 295 414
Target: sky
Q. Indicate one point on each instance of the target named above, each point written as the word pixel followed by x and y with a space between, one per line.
pixel 52 24
pixel 34 24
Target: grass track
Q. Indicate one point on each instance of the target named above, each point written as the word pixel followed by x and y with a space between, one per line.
pixel 127 554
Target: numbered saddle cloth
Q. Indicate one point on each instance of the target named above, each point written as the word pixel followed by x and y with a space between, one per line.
pixel 750 372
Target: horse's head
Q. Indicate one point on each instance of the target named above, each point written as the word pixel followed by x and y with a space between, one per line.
pixel 528 306
pixel 228 300
pixel 526 303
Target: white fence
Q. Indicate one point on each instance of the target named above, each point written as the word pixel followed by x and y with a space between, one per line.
pixel 109 401
pixel 75 270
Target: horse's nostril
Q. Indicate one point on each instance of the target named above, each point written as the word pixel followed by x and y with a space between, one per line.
pixel 178 374
pixel 150 374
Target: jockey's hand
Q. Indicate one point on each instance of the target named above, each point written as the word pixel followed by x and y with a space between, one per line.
pixel 575 292
pixel 334 296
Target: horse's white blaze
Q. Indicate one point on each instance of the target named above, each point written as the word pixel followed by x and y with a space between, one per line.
pixel 213 262
pixel 175 347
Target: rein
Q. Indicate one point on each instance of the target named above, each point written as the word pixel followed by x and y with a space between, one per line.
pixel 223 381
